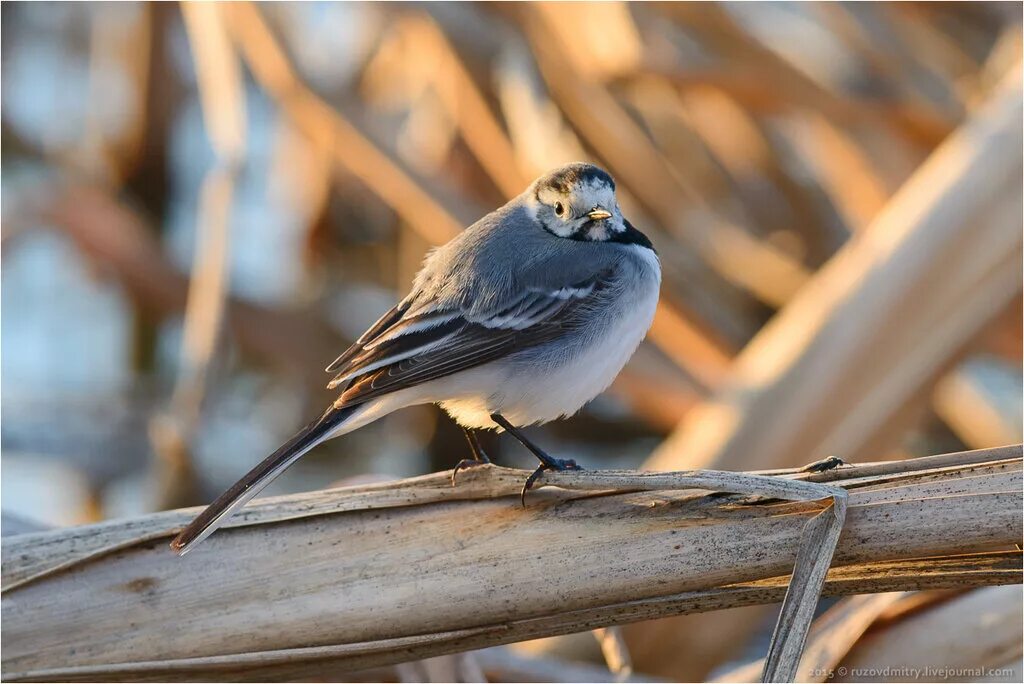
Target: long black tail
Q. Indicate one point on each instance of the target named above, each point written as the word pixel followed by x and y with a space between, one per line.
pixel 259 477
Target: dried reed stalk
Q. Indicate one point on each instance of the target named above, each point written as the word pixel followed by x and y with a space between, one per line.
pixel 360 577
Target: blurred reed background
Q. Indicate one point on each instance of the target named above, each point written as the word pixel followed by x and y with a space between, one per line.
pixel 202 205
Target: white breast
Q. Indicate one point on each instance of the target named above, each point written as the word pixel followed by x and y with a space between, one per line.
pixel 554 388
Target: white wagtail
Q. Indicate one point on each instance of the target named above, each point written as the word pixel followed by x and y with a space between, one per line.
pixel 523 318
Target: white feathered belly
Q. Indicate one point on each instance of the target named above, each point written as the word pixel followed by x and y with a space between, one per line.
pixel 563 379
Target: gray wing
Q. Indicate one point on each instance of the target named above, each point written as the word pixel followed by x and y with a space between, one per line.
pixel 413 344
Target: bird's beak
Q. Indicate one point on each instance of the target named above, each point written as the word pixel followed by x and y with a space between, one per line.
pixel 598 214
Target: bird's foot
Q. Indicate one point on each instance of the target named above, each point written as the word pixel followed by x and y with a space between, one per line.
pixel 549 464
pixel 830 463
pixel 466 464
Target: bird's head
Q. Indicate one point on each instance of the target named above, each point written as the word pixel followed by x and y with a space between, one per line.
pixel 577 201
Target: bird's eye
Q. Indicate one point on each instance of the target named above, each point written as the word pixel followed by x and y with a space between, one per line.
pixel 559 209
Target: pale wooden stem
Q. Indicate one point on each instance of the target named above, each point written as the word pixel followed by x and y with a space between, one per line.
pixel 615 652
pixel 817 543
pixel 292 588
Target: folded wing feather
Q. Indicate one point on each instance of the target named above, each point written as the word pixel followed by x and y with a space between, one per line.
pixel 406 348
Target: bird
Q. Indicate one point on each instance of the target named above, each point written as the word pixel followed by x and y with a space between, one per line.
pixel 521 319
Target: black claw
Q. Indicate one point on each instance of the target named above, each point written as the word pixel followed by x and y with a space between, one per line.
pixel 823 465
pixel 554 464
pixel 529 483
pixel 465 464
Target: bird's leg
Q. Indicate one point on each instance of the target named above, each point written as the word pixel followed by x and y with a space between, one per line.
pixel 474 445
pixel 479 455
pixel 549 461
pixel 546 462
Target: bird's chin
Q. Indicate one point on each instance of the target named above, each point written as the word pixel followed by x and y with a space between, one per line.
pixel 598 232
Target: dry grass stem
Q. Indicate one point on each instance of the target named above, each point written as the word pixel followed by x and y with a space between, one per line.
pixel 583 559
